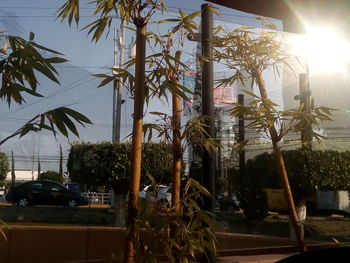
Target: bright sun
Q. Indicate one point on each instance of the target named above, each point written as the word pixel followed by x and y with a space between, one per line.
pixel 323 49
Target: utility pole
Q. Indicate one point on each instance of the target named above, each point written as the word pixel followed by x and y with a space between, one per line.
pixel 208 158
pixel 241 137
pixel 119 42
pixel 304 96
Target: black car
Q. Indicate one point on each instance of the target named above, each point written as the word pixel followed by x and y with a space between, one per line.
pixel 44 193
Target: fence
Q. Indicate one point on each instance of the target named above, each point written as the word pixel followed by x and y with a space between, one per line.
pixel 98 198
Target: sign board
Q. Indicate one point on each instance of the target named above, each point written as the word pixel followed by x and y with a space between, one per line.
pixel 225 95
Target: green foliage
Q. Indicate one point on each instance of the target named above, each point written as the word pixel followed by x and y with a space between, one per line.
pixel 164 68
pixel 51 175
pixel 308 172
pixel 251 184
pixel 19 67
pixel 139 12
pixel 244 50
pixel 4 166
pixel 60 168
pixel 192 132
pixel 262 114
pixel 18 70
pixel 13 174
pixel 107 164
pixel 191 237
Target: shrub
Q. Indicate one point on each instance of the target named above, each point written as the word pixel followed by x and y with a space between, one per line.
pixel 51 175
pixel 4 166
pixel 308 172
pixel 107 164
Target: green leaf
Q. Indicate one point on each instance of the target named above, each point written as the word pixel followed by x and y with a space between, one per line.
pixel 43 69
pixel 55 60
pixel 76 115
pixel 31 36
pixel 71 10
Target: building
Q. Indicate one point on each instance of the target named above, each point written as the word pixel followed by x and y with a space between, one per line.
pixel 23 175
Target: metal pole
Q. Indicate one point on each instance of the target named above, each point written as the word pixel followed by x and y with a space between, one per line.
pixel 241 137
pixel 208 158
pixel 115 83
pixel 304 92
pixel 120 85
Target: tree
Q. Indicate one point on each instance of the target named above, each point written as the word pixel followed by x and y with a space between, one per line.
pixel 308 172
pixel 143 87
pixel 20 61
pixel 39 166
pixel 4 166
pixel 255 52
pixel 107 164
pixel 60 170
pixel 13 174
pixel 312 170
pixel 51 175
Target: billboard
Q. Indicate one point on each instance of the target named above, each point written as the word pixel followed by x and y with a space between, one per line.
pixel 225 95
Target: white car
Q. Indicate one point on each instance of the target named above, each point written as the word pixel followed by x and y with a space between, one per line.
pixel 143 192
pixel 162 194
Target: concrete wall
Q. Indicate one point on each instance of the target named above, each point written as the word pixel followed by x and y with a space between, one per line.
pixel 59 244
pixel 38 244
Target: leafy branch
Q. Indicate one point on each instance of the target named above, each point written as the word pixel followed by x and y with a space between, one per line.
pixel 19 67
pixel 59 119
pixel 193 132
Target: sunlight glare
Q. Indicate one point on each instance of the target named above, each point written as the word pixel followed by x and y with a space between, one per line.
pixel 324 50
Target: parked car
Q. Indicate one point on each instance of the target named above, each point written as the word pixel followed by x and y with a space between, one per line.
pixel 143 192
pixel 162 193
pixel 73 187
pixel 44 193
pixel 228 204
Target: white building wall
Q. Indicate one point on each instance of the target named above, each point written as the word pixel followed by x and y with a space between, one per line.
pixel 23 175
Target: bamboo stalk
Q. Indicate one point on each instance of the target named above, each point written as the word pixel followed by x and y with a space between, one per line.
pixel 136 146
pixel 176 172
pixel 281 169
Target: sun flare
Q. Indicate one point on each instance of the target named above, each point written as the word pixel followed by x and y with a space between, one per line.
pixel 323 49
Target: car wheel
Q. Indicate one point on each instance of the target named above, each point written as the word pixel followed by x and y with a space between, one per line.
pixel 22 202
pixel 72 203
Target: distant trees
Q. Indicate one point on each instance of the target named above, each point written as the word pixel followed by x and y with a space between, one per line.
pixel 308 172
pixel 4 166
pixel 51 175
pixel 107 164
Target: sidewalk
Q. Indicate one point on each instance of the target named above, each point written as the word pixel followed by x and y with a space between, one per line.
pixel 270 258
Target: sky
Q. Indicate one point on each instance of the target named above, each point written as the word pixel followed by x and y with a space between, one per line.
pixel 78 87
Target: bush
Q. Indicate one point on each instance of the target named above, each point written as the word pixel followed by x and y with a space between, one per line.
pixel 4 166
pixel 107 164
pixel 51 175
pixel 308 171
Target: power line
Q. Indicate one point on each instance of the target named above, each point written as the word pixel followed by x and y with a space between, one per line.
pixel 91 8
pixel 65 89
